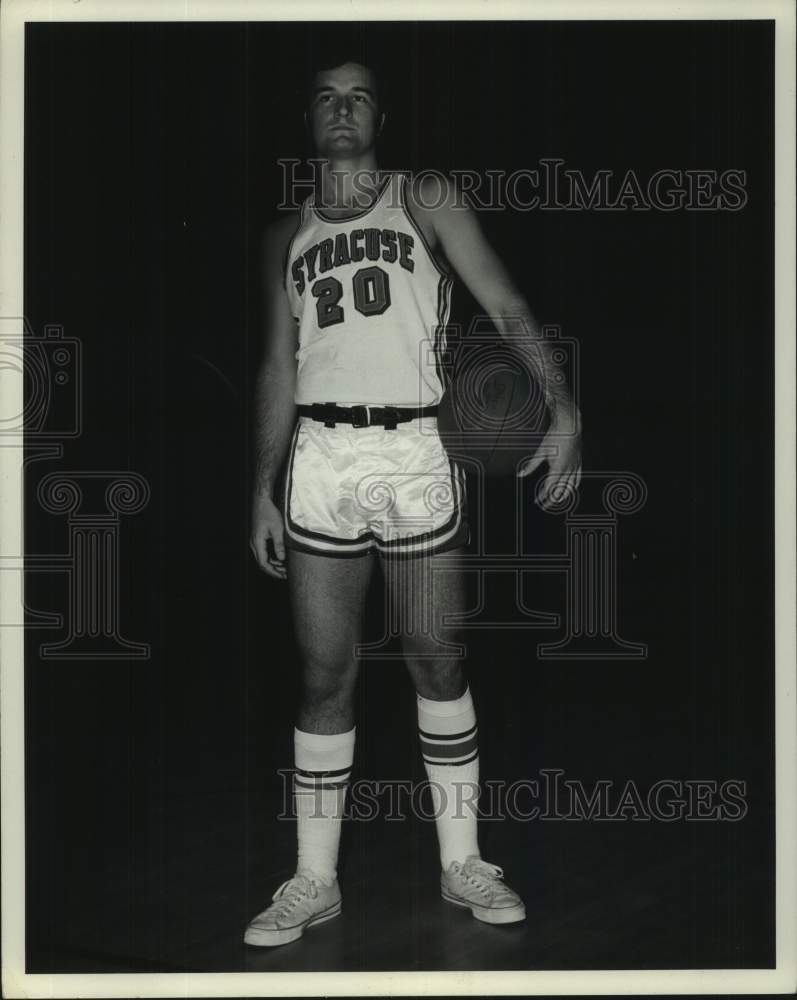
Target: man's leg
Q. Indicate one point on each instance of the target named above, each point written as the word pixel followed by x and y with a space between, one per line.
pixel 327 598
pixel 422 595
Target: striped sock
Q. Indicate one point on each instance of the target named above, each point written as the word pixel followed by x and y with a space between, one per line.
pixel 450 753
pixel 323 769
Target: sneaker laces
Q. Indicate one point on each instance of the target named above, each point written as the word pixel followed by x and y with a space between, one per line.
pixel 482 874
pixel 293 891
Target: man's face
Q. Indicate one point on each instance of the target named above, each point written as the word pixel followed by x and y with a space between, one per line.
pixel 343 116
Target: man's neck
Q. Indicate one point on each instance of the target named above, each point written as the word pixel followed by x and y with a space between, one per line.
pixel 348 184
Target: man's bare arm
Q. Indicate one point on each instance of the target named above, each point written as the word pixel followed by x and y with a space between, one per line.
pixel 456 230
pixel 459 233
pixel 274 414
pixel 274 404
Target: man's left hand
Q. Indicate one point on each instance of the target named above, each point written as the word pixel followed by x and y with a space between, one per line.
pixel 562 452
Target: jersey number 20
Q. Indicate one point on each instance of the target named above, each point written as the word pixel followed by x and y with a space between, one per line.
pixel 371 287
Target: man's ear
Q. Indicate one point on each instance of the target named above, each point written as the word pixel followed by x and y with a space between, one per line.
pixel 382 121
pixel 306 122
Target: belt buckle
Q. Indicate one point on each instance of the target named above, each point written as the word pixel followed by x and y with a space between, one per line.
pixel 360 416
pixel 320 413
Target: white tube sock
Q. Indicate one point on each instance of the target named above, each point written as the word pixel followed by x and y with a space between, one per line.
pixel 323 769
pixel 448 736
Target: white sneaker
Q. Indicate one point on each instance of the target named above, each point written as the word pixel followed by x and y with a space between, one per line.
pixel 477 886
pixel 300 902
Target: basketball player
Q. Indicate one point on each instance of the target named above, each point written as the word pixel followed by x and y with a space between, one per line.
pixel 356 290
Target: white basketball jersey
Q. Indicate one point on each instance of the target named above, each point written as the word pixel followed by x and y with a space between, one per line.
pixel 372 305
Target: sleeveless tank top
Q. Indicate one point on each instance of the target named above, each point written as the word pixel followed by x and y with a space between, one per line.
pixel 372 304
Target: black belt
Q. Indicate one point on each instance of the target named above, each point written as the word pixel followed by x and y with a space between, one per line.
pixel 364 416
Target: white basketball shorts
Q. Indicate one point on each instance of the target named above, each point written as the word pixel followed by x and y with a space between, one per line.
pixel 350 490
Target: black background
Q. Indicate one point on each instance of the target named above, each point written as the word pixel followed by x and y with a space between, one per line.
pixel 150 169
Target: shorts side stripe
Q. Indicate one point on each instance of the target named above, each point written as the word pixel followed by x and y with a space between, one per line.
pixel 439 535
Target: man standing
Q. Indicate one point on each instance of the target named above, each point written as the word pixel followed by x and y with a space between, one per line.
pixel 357 297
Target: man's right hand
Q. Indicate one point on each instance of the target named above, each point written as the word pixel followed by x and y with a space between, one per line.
pixel 267 526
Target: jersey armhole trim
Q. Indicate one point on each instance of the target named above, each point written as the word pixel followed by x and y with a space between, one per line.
pixel 440 266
